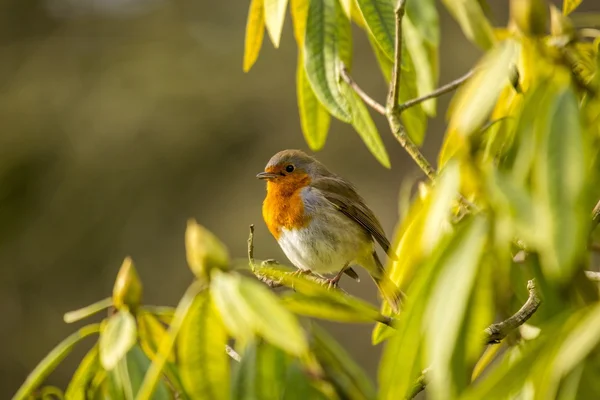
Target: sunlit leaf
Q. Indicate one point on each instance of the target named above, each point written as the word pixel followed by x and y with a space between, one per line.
pixel 364 125
pixel 51 361
pixel 151 332
pixel 314 118
pixel 88 367
pixel 248 308
pixel 119 335
pixel 421 35
pixel 472 20
pixel 261 374
pixel 166 346
pixel 202 361
pixel 347 376
pixel 204 251
pixel 274 18
pixel 380 19
pixel 560 185
pixel 331 308
pixel 476 99
pixel 255 30
pixel 447 309
pixel 299 11
pixel 322 56
pixel 570 5
pixel 87 311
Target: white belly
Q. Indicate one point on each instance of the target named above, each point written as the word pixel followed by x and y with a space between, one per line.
pixel 326 245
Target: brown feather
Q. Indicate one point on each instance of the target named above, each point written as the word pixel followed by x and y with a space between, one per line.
pixel 345 198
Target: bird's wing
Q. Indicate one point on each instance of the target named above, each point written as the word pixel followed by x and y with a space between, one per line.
pixel 345 198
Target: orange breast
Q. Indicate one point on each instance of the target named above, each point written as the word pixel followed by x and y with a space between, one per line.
pixel 283 207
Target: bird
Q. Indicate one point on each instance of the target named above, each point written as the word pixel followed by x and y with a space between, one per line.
pixel 321 222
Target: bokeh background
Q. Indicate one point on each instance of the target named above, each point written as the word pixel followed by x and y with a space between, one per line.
pixel 121 119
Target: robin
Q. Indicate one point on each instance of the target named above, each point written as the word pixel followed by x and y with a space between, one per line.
pixel 320 221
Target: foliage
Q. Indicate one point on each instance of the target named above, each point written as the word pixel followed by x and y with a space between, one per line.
pixel 510 202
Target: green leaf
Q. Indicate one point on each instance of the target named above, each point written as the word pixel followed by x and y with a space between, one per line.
pixel 331 308
pixel 560 185
pixel 570 5
pixel 364 125
pixel 314 118
pixel 476 99
pixel 119 335
pixel 136 366
pixel 472 20
pixel 255 31
pixel 261 374
pixel 202 361
pixel 322 56
pixel 421 28
pixel 447 309
pixel 381 21
pixel 248 307
pixel 346 375
pixel 404 355
pixel 83 376
pixel 51 361
pixel 166 346
pixel 274 19
pixel 414 118
pixel 85 312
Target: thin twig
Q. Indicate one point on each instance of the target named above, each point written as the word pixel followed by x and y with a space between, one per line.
pixel 361 93
pixel 419 385
pixel 496 332
pixel 232 353
pixel 394 93
pixel 437 92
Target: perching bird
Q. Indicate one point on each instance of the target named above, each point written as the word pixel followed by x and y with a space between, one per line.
pixel 320 221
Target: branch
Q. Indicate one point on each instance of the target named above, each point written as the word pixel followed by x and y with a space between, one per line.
pixel 496 332
pixel 361 93
pixel 438 92
pixel 394 93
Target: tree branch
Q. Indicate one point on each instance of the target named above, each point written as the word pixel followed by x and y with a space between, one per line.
pixel 438 92
pixel 496 332
pixel 361 93
pixel 394 93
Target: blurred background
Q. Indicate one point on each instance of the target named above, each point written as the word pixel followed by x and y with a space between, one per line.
pixel 121 119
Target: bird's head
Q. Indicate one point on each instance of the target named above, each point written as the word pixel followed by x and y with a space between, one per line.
pixel 291 169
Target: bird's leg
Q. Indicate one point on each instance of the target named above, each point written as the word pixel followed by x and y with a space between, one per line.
pixel 267 262
pixel 333 282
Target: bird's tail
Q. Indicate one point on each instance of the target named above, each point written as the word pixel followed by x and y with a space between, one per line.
pixel 388 289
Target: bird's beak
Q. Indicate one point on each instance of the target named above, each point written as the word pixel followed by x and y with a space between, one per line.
pixel 266 176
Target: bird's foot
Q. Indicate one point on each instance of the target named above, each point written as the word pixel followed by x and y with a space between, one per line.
pixel 300 272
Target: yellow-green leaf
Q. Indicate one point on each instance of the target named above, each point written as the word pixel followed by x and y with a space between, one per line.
pixel 248 307
pixel 570 5
pixel 255 31
pixel 119 335
pixel 380 19
pixel 51 361
pixel 472 20
pixel 474 101
pixel 331 308
pixel 73 316
pixel 204 251
pixel 314 118
pixel 299 10
pixel 322 56
pixel 348 377
pixel 151 332
pixel 274 18
pixel 421 36
pixel 83 376
pixel 202 361
pixel 364 125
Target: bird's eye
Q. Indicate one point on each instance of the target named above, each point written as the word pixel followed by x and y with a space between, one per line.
pixel 289 168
